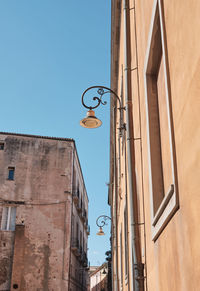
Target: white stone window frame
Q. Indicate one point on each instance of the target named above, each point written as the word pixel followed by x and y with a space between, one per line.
pixel 170 202
pixel 8 218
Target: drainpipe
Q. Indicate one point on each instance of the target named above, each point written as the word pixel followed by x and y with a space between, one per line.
pixel 134 239
pixel 116 216
pixel 116 281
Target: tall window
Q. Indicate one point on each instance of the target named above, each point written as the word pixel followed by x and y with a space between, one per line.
pixel 164 199
pixel 8 218
pixel 11 173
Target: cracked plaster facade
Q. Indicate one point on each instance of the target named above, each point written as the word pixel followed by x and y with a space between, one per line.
pixel 38 254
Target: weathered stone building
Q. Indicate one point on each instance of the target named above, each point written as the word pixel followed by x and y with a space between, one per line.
pixel 43 214
pixel 98 278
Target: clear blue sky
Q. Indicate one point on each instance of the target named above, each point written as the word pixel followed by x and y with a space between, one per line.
pixel 50 52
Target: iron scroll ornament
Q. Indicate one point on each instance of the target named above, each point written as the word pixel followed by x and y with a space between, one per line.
pixel 102 220
pixel 101 91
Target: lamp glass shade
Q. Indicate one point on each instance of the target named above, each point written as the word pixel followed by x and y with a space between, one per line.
pixel 90 121
pixel 100 232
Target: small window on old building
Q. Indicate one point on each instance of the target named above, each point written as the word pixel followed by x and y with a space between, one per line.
pixel 1 146
pixel 8 218
pixel 11 173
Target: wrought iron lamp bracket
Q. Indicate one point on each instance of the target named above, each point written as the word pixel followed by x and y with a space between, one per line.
pixel 102 220
pixel 101 91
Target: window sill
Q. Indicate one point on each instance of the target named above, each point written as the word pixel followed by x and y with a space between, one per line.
pixel 7 230
pixel 164 213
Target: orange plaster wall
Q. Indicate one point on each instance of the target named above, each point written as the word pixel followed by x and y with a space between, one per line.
pixel 172 261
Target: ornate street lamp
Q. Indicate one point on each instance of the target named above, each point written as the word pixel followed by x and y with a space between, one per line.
pixel 100 222
pixel 91 121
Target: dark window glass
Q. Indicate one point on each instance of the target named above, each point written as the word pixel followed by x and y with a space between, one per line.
pixel 1 146
pixel 11 172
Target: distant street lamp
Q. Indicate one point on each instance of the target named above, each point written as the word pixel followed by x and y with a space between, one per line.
pixel 91 121
pixel 100 222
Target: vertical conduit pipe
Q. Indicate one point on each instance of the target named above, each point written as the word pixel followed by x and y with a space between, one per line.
pixel 116 206
pixel 134 242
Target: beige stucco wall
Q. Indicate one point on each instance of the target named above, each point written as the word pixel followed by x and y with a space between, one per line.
pixel 172 260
